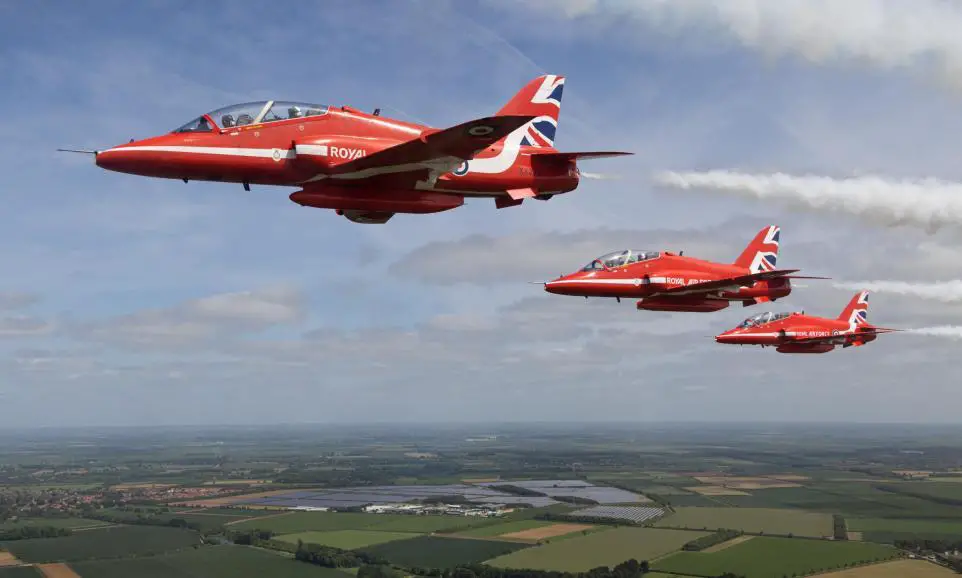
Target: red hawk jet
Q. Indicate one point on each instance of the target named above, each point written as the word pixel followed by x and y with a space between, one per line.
pixel 800 333
pixel 672 282
pixel 364 166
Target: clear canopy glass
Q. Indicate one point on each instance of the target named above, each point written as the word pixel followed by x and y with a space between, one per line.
pixel 620 259
pixel 247 113
pixel 761 319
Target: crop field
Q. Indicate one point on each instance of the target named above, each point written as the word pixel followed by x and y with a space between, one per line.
pixel 8 559
pixel 715 491
pixel 57 570
pixel 939 527
pixel 346 539
pixel 754 520
pixel 598 549
pixel 296 522
pixel 546 532
pixel 897 569
pixel 696 500
pixel 105 543
pixel 437 552
pixel 71 523
pixel 775 557
pixel 20 572
pixel 504 528
pixel 209 562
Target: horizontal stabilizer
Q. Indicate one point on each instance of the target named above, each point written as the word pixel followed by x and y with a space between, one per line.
pixel 804 277
pixel 739 281
pixel 565 157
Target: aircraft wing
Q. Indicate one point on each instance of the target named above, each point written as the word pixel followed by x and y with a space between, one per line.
pixel 731 282
pixel 444 149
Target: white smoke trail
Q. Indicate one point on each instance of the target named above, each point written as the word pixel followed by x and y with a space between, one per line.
pixel 883 34
pixel 950 331
pixel 599 176
pixel 944 291
pixel 928 203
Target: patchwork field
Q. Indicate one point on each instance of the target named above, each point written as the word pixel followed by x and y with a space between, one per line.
pixel 552 531
pixel 296 522
pixel 747 483
pixel 346 539
pixel 598 549
pixel 753 520
pixel 897 569
pixel 105 543
pixel 437 552
pixel 775 557
pixel 209 562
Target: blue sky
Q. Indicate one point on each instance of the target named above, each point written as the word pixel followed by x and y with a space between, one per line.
pixel 137 301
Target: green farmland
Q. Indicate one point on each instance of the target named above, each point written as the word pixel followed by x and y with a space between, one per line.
pixel 346 539
pixel 889 530
pixel 504 528
pixel 209 562
pixel 752 520
pixel 20 572
pixel 437 552
pixel 764 557
pixel 598 549
pixel 70 523
pixel 105 543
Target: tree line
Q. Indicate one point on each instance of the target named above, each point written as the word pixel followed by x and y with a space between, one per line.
pixel 29 532
pixel 710 540
pixel 839 527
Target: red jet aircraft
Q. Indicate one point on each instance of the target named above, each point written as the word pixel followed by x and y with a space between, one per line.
pixel 364 166
pixel 672 282
pixel 800 333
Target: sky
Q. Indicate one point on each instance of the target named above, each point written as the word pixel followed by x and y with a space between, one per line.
pixel 135 301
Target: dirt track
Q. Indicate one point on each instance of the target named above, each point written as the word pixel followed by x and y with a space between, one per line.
pixel 8 559
pixel 727 544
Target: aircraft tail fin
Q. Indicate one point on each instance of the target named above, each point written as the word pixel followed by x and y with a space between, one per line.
pixel 540 98
pixel 856 312
pixel 762 253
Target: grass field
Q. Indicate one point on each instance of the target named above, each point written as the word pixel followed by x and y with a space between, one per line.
pixel 346 539
pixel 105 543
pixel 896 569
pixel 775 557
pixel 769 521
pixel 943 527
pixel 20 572
pixel 71 523
pixel 504 528
pixel 437 552
pixel 599 549
pixel 209 562
pixel 325 521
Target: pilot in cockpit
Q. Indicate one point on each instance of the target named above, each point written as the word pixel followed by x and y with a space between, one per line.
pixel 294 112
pixel 227 120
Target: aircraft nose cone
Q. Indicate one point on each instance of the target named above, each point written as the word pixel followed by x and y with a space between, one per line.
pixel 724 338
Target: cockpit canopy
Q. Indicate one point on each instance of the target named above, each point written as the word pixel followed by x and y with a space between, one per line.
pixel 762 319
pixel 253 113
pixel 620 259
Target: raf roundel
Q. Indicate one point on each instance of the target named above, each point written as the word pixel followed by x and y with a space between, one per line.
pixel 461 170
pixel 482 130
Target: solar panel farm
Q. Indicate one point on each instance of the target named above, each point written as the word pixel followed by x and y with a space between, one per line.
pixel 435 507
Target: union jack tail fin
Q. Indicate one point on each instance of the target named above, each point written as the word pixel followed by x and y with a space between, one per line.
pixel 761 254
pixel 856 312
pixel 540 98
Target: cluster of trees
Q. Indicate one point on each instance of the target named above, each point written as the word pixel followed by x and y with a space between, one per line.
pixel 710 540
pixel 578 500
pixel 553 517
pixel 929 545
pixel 840 529
pixel 627 569
pixel 334 557
pixel 254 537
pixel 142 519
pixel 28 532
pixel 517 491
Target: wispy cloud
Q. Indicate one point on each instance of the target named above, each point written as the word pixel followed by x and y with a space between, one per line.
pixel 927 203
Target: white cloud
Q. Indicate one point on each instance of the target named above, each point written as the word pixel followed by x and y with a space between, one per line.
pixel 17 300
pixel 884 34
pixel 23 326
